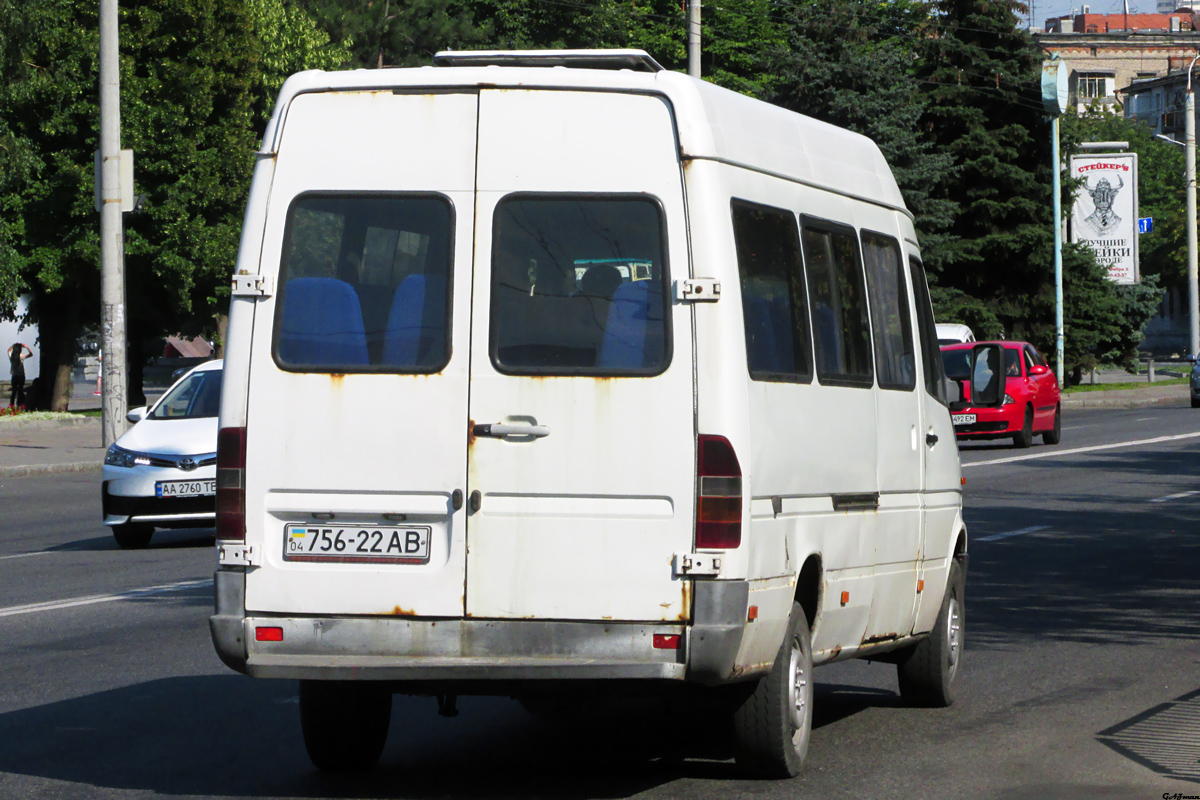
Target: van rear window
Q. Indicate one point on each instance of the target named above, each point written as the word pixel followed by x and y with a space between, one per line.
pixel 579 286
pixel 365 284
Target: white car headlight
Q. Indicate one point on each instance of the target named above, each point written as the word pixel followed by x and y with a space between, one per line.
pixel 120 457
pixel 1008 400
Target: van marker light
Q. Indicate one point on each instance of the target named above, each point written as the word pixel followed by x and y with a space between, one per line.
pixel 1093 448
pixel 131 594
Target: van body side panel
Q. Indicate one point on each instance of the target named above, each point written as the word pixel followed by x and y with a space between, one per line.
pixel 807 442
pixel 580 522
pixel 361 445
pixel 942 496
pixel 900 442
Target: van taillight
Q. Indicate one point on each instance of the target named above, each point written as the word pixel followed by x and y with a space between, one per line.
pixel 231 483
pixel 719 506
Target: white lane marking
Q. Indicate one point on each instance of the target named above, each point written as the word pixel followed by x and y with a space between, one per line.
pixel 26 555
pixel 1092 449
pixel 1144 419
pixel 1174 496
pixel 132 594
pixel 1006 534
pixel 1076 427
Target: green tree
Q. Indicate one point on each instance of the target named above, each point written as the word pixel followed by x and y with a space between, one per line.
pixel 852 63
pixel 980 74
pixel 197 78
pixel 395 33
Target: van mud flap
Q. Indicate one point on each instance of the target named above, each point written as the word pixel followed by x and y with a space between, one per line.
pixel 718 621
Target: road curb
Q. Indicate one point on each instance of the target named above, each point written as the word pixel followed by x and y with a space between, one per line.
pixel 1122 402
pixel 48 469
pixel 46 424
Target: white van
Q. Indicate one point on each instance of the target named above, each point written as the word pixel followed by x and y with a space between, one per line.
pixel 588 378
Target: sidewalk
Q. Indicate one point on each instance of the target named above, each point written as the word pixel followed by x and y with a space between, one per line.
pixel 38 447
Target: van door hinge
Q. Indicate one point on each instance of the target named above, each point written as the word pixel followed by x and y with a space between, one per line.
pixel 697 564
pixel 235 554
pixel 698 290
pixel 253 285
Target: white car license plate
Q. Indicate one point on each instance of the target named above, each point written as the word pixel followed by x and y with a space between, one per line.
pixel 358 544
pixel 186 488
pixel 962 419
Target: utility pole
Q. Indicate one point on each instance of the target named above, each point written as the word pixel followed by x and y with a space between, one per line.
pixel 1190 142
pixel 1056 159
pixel 1054 101
pixel 112 237
pixel 693 38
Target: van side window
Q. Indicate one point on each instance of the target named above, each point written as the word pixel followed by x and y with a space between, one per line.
pixel 774 299
pixel 365 285
pixel 578 286
pixel 935 374
pixel 895 360
pixel 838 302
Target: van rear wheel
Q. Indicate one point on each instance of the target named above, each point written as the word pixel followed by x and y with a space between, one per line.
pixel 773 724
pixel 345 723
pixel 927 670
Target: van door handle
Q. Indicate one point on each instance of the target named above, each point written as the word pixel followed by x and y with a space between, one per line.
pixel 501 430
pixel 931 439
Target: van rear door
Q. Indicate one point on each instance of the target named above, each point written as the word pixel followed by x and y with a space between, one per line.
pixel 356 423
pixel 581 464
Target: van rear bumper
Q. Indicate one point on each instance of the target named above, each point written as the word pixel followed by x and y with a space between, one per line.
pixel 332 648
pixel 408 649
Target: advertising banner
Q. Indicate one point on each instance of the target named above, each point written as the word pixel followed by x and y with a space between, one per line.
pixel 1105 216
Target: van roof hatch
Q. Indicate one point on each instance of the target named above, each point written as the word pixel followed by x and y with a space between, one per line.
pixel 636 60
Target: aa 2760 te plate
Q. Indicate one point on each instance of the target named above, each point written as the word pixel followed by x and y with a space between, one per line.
pixel 186 488
pixel 357 544
pixel 962 419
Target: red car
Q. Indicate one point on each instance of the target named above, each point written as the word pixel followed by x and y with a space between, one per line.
pixel 1031 397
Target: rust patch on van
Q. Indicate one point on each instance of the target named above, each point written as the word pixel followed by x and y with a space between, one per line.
pixel 686 613
pixel 402 612
pixel 470 432
pixel 883 637
pixel 336 379
pixel 835 652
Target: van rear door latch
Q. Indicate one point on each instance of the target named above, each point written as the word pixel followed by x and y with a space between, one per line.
pixel 697 564
pixel 235 554
pixel 245 285
pixel 698 290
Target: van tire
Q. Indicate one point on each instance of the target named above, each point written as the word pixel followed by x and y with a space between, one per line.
pixel 1054 435
pixel 132 535
pixel 773 724
pixel 927 671
pixel 345 723
pixel 1024 437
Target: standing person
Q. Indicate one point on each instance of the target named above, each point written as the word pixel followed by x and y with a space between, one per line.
pixel 17 354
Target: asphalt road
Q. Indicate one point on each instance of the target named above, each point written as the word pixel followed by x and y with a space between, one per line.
pixel 1081 676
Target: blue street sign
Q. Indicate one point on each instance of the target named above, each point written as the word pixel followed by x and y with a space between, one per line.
pixel 1146 225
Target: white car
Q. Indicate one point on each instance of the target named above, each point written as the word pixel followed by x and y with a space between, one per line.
pixel 162 473
pixel 953 333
